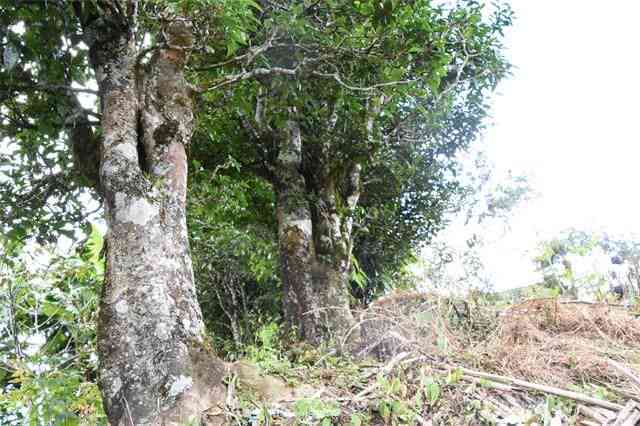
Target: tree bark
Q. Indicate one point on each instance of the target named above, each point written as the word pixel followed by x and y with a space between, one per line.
pixel 314 228
pixel 295 240
pixel 332 215
pixel 155 367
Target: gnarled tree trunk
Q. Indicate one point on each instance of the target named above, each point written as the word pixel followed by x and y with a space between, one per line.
pixel 332 232
pixel 154 364
pixel 300 300
pixel 314 227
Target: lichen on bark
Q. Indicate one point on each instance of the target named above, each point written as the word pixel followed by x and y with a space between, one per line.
pixel 315 246
pixel 154 367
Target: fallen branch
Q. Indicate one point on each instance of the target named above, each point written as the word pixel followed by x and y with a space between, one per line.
pixel 628 416
pixel 625 371
pixel 544 388
pixel 586 302
pixel 503 380
pixel 385 370
pixel 622 392
pixel 597 415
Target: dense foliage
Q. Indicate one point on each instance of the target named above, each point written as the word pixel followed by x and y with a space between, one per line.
pixel 393 89
pixel 47 334
pixel 398 89
pixel 234 251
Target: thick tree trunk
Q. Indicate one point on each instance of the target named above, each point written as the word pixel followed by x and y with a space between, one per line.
pixel 154 365
pixel 295 238
pixel 315 243
pixel 332 229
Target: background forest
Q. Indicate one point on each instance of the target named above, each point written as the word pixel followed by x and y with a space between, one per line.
pixel 336 161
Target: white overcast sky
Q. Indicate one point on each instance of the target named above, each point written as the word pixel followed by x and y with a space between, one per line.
pixel 569 119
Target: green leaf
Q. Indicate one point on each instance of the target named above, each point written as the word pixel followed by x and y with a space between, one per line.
pixel 432 391
pixel 454 376
pixel 356 420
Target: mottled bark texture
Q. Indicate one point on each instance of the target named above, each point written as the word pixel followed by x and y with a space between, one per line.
pixel 314 224
pixel 300 299
pixel 154 367
pixel 332 213
pixel 84 143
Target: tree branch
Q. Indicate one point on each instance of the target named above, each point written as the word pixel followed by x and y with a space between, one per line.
pixel 249 56
pixel 338 79
pixel 258 72
pixel 49 88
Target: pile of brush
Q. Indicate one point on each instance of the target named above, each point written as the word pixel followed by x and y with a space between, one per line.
pixel 574 351
pixel 430 360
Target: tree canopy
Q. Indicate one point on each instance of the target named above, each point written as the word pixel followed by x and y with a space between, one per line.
pixel 321 139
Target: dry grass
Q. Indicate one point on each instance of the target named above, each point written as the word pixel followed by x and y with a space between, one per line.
pixel 543 340
pixel 420 339
pixel 559 343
